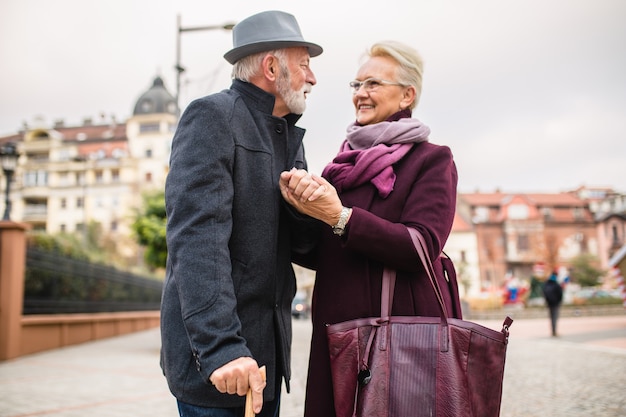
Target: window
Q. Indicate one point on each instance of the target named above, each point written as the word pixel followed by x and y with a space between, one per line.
pixel 523 243
pixel 481 214
pixel 115 175
pixel 99 177
pixel 36 178
pixel 518 211
pixel 63 203
pixel 148 176
pixel 118 153
pixel 147 106
pixel 149 127
pixel 64 155
pixel 65 179
pixel 38 157
pixel 148 153
pixel 99 154
pixel 62 228
pixel 579 213
pixel 80 202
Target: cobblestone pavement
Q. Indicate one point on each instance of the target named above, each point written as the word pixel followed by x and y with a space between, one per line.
pixel 580 373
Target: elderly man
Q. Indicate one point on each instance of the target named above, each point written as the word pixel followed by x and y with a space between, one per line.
pixel 227 295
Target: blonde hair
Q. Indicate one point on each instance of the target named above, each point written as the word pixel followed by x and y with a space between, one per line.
pixel 410 64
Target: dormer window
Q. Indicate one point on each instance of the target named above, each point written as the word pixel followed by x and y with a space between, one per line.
pixel 147 106
pixel 518 211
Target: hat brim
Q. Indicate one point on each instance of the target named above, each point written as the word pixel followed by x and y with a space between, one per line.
pixel 236 54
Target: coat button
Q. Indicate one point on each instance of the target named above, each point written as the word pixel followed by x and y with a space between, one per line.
pixel 278 129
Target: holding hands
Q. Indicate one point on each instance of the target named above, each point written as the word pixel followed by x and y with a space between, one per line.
pixel 311 194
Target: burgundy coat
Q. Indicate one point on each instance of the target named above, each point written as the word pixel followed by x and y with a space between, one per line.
pixel 349 268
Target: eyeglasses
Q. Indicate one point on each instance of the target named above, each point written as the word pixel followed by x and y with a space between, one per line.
pixel 371 84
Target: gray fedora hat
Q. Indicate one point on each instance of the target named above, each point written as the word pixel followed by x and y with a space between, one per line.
pixel 266 31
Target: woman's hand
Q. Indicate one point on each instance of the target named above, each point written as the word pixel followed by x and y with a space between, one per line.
pixel 311 194
pixel 301 185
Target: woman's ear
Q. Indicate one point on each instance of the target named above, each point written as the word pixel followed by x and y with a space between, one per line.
pixel 408 97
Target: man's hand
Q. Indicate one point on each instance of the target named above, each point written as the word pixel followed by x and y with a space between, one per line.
pixel 239 375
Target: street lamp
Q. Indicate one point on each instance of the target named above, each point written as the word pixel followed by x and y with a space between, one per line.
pixel 179 68
pixel 8 158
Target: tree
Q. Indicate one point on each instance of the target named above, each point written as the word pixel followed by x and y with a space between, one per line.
pixel 584 271
pixel 65 244
pixel 149 228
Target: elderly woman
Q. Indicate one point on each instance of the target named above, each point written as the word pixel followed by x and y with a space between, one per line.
pixel 386 177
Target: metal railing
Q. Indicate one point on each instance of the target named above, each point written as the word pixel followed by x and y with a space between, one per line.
pixel 55 284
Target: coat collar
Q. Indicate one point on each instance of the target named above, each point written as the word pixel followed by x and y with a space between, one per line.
pixel 260 99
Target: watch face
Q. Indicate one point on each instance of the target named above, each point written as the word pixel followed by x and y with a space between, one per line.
pixel 339 231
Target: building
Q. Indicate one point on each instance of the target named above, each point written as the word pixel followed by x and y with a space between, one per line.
pixel 71 176
pixel 462 248
pixel 500 235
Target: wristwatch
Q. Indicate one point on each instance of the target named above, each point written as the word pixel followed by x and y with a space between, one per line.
pixel 340 228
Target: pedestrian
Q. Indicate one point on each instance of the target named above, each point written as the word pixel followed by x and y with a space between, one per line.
pixel 553 293
pixel 386 177
pixel 226 306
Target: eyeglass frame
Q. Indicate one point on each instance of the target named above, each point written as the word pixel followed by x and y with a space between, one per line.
pixel 356 85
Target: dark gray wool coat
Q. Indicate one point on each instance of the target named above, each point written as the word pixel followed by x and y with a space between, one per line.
pixel 229 281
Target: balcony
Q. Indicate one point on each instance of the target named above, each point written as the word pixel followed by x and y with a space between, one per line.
pixel 35 212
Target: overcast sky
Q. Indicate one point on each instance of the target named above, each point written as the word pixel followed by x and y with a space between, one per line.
pixel 529 95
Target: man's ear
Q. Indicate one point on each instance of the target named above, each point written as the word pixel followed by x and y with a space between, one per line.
pixel 270 67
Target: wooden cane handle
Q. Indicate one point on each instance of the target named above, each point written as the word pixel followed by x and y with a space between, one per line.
pixel 249 409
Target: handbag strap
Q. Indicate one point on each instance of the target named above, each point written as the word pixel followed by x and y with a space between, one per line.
pixel 386 296
pixel 389 278
pixel 420 246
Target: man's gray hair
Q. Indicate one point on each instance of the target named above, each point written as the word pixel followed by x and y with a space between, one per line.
pixel 250 66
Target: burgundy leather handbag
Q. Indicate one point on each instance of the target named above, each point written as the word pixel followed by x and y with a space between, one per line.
pixel 412 366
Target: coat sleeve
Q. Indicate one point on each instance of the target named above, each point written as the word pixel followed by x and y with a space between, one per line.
pixel 425 200
pixel 199 197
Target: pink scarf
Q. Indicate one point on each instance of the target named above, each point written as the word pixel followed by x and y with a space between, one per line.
pixel 369 152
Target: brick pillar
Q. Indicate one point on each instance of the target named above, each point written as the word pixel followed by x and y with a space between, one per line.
pixel 12 265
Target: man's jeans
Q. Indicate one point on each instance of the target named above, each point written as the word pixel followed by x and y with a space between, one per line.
pixel 270 409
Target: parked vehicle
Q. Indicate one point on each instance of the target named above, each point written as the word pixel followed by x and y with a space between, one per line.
pixel 300 307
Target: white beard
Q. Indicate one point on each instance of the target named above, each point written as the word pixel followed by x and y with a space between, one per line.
pixel 295 100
